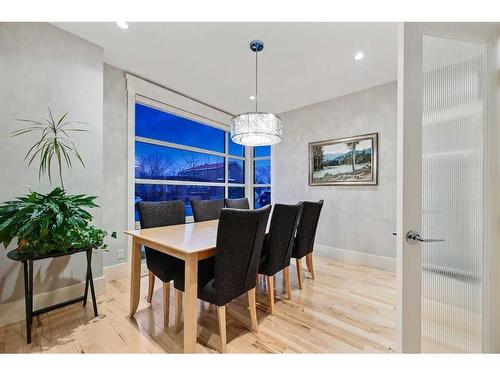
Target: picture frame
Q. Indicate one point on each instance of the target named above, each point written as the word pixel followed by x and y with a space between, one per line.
pixel 331 161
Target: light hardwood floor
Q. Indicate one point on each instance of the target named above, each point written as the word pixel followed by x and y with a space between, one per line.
pixel 347 309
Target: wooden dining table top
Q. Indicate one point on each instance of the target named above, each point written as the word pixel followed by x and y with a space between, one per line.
pixel 184 239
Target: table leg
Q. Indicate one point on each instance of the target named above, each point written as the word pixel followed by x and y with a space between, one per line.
pixel 190 299
pixel 86 292
pixel 90 279
pixel 30 286
pixel 135 276
pixel 27 301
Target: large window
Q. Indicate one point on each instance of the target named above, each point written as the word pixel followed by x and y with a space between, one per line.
pixel 261 176
pixel 178 158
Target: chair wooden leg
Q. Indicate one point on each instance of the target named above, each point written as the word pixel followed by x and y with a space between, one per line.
pixel 286 279
pixel 178 310
pixel 221 312
pixel 253 309
pixel 298 263
pixel 309 264
pixel 151 286
pixel 270 292
pixel 166 304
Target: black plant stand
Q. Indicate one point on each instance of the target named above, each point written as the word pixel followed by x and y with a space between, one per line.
pixel 28 284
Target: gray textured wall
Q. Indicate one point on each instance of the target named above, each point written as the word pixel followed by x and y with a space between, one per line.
pixel 359 218
pixel 43 66
pixel 114 197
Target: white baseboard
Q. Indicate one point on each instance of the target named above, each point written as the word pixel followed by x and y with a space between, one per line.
pixel 14 311
pixel 356 257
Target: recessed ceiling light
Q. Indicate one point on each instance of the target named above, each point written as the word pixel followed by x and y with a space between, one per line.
pixel 359 56
pixel 251 97
pixel 122 25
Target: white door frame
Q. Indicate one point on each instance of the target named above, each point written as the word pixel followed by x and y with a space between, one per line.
pixel 409 123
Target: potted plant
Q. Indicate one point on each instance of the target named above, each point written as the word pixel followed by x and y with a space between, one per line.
pixel 57 221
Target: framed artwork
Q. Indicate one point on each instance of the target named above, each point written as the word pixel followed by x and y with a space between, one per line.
pixel 344 161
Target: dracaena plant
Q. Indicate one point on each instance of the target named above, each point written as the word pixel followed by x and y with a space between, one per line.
pixel 46 222
pixel 53 145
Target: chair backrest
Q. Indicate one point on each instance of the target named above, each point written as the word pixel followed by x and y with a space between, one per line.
pixel 159 214
pixel 239 243
pixel 241 203
pixel 279 243
pixel 204 210
pixel 306 231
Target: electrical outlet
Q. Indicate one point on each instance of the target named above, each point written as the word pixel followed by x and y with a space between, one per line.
pixel 121 253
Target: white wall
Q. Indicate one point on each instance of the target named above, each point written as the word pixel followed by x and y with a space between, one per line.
pixel 42 66
pixel 114 196
pixel 354 218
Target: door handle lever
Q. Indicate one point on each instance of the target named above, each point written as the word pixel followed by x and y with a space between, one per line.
pixel 414 237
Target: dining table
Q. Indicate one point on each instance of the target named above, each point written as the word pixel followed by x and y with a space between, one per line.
pixel 190 242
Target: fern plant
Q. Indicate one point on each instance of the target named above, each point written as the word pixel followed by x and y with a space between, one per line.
pixel 54 144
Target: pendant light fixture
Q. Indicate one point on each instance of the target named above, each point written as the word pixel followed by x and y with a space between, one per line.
pixel 256 128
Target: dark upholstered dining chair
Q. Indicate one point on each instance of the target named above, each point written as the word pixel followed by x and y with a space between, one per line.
pixel 277 247
pixel 306 233
pixel 163 266
pixel 241 203
pixel 233 270
pixel 204 210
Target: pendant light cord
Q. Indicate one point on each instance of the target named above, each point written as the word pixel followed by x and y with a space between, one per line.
pixel 256 75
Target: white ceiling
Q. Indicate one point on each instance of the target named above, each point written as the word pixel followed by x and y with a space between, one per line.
pixel 302 63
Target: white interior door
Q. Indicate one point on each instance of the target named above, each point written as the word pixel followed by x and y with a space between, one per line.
pixel 444 87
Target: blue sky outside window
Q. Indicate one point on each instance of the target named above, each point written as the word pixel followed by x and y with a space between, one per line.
pixel 261 151
pixel 155 124
pixel 236 149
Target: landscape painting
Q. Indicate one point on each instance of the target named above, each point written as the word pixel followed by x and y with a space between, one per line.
pixel 344 161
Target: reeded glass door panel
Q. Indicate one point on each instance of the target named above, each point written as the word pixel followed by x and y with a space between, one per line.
pixel 454 120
